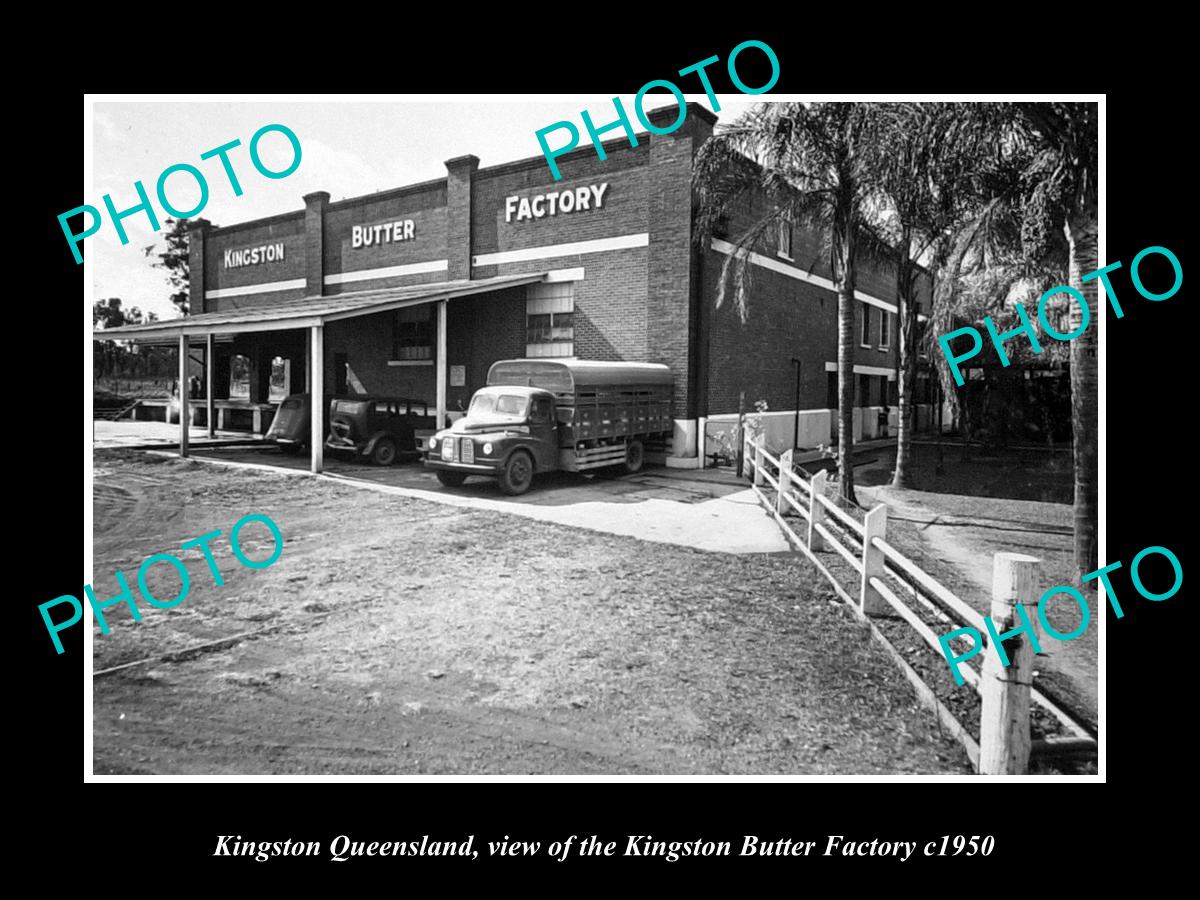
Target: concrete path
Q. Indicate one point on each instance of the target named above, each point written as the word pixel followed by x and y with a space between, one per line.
pixel 705 510
pixel 128 433
pixel 734 523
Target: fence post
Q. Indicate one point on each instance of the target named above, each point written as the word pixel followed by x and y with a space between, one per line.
pixel 1004 720
pixel 741 434
pixel 816 512
pixel 785 477
pixel 759 441
pixel 870 601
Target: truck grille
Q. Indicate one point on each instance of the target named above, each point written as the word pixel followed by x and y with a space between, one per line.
pixel 467 454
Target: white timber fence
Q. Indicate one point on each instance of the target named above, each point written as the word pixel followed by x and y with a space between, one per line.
pixel 885 576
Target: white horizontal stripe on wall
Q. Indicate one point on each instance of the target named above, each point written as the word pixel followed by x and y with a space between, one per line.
pixel 294 284
pixel 556 275
pixel 800 275
pixel 601 245
pixel 421 268
pixel 865 370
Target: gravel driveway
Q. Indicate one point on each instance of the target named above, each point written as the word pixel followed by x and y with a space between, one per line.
pixel 400 636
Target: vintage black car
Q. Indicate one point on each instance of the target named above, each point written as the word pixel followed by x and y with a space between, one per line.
pixel 379 428
pixel 291 429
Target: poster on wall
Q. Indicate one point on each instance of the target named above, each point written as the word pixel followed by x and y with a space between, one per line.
pixel 281 379
pixel 239 377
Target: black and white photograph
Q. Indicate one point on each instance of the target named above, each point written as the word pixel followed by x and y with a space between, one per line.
pixel 724 433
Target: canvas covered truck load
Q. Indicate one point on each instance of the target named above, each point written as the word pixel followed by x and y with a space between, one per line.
pixel 543 415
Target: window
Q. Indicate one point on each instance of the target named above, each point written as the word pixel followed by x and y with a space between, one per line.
pixel 540 415
pixel 503 404
pixel 866 325
pixel 885 322
pixel 864 390
pixel 412 333
pixel 508 405
pixel 550 319
pixel 546 328
pixel 785 237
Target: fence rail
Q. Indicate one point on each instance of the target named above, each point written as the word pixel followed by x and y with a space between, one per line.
pixel 884 574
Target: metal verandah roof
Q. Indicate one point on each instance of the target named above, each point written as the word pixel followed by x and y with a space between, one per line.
pixel 309 311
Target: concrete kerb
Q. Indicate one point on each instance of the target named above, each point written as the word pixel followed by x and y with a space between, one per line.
pixel 722 525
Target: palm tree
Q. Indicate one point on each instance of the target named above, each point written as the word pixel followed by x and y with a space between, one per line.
pixel 1043 185
pixel 925 173
pixel 1061 192
pixel 806 164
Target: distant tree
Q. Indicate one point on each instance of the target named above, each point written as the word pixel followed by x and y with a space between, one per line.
pixel 110 313
pixel 174 260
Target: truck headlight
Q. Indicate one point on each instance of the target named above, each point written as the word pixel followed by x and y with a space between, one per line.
pixel 433 443
pixel 487 449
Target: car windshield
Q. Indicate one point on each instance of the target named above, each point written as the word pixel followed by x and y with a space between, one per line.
pixel 350 407
pixel 498 404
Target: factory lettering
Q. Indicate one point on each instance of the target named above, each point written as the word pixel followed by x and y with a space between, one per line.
pixel 367 235
pixel 589 197
pixel 252 256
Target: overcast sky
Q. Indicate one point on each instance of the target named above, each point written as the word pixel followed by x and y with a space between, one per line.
pixel 349 149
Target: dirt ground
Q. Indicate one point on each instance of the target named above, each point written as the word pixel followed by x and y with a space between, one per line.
pixel 954 538
pixel 398 636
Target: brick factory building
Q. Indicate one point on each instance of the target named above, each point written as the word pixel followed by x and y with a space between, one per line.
pixel 416 291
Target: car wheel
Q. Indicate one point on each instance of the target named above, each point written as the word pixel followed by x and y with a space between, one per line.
pixel 451 479
pixel 517 474
pixel 634 456
pixel 384 453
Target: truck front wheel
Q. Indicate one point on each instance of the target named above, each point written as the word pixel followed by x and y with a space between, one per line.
pixel 517 474
pixel 633 456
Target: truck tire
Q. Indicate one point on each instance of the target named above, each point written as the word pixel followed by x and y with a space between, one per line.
pixel 634 456
pixel 451 479
pixel 384 452
pixel 517 474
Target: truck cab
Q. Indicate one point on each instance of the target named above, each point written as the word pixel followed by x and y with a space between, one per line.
pixel 541 415
pixel 510 432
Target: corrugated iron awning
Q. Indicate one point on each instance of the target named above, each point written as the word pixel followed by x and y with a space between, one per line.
pixel 309 311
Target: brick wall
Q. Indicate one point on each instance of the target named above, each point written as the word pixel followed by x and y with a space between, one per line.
pixel 633 304
pixel 424 205
pixel 774 325
pixel 623 210
pixel 481 330
pixel 459 179
pixel 786 318
pixel 288 230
